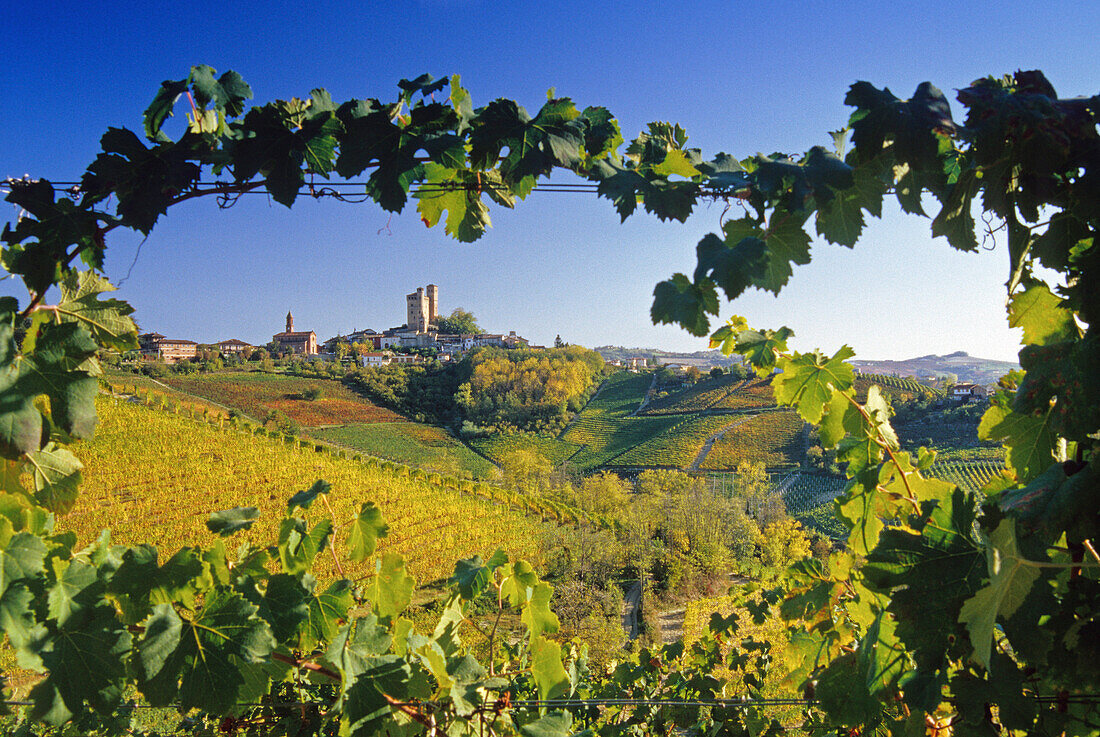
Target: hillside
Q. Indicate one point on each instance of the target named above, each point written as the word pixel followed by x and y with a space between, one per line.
pixel 339 416
pixel 967 368
pixel 154 476
pixel 703 359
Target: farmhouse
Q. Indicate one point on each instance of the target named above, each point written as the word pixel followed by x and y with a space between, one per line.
pixel 968 392
pixel 233 345
pixel 169 350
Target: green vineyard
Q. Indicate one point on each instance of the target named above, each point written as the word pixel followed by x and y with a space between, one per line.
pixel 968 476
pixel 771 438
pixel 498 447
pixel 810 490
pixel 678 446
pixel 703 395
pixel 892 385
pixel 756 394
pixel 409 442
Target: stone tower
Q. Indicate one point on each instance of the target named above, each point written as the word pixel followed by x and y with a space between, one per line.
pixel 289 322
pixel 422 307
pixel 433 303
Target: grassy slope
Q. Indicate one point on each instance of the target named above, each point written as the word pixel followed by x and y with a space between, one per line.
pixel 152 476
pixel 411 443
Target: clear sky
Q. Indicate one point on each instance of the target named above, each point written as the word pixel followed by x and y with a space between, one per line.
pixel 741 77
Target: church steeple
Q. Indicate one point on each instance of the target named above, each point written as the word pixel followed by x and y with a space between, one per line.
pixel 289 322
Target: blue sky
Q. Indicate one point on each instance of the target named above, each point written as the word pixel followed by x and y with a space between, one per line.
pixel 740 77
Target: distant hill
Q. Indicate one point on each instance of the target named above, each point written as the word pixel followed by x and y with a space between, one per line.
pixel 967 368
pixel 703 359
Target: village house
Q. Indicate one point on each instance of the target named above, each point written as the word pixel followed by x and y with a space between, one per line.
pixel 169 350
pixel 968 392
pixel 233 346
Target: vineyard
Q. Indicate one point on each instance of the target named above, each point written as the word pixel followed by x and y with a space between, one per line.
pixel 606 428
pixel 756 394
pixel 810 490
pixel 409 442
pixel 677 446
pixel 707 392
pixel 893 385
pixel 771 438
pixel 256 394
pixel 968 476
pixel 498 447
pixel 155 477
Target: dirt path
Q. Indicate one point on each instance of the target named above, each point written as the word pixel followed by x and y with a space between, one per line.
pixel 645 398
pixel 709 443
pixel 632 602
pixel 671 624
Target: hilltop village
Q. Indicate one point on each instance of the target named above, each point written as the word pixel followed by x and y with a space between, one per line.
pixel 411 342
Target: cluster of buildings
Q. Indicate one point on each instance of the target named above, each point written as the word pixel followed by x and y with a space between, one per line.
pixel 372 348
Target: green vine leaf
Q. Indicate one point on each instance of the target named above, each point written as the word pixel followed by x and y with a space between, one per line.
pixel 808 380
pixel 1042 316
pixel 1010 581
pixel 229 521
pixel 365 532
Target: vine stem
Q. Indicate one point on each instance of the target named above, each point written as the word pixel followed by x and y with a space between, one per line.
pixel 332 538
pixel 880 442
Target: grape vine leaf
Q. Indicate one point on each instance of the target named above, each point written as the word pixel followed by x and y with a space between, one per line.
pixel 160 109
pixel 1010 580
pixel 537 614
pixel 306 497
pixel 928 573
pixel 391 589
pixel 297 547
pixel 735 261
pixel 84 662
pixel 807 381
pixel 547 669
pixel 556 724
pixel 108 320
pixel 56 475
pixel 472 575
pixel 366 529
pixel 1042 316
pixel 553 138
pixel 63 367
pixel 228 92
pixel 21 558
pixel 678 300
pixel 881 657
pixel 467 215
pixel 229 521
pixel 199 660
pixel 787 243
pixel 327 611
pixel 286 604
pixel 1030 439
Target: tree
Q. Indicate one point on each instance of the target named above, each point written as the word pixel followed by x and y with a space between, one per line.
pixel 460 322
pixel 987 608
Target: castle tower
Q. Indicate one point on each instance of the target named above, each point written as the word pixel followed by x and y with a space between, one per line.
pixel 289 322
pixel 433 303
pixel 417 310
